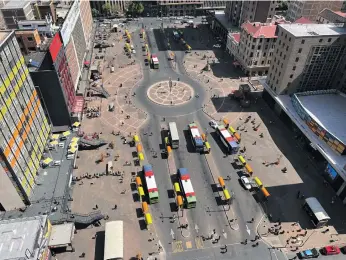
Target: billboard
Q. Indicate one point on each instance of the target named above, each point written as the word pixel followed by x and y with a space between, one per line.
pixel 55 46
pixel 70 22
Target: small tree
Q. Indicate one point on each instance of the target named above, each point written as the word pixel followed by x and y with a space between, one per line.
pixel 107 8
pixel 95 12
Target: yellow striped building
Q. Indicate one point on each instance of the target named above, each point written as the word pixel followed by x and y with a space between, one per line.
pixel 24 128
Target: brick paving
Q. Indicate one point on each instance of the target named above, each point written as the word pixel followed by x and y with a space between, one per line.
pixel 161 93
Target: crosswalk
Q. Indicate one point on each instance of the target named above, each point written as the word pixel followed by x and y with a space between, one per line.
pixel 180 246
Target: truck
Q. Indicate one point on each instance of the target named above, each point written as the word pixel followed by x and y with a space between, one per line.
pixel 154 61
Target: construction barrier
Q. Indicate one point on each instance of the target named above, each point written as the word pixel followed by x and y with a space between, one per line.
pixel 249 169
pixel 242 160
pixel 221 182
pixel 226 194
pixel 258 182
pixel 141 191
pixel 138 181
pixel 145 207
pixel 176 187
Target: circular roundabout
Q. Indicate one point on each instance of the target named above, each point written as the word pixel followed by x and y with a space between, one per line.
pixel 170 93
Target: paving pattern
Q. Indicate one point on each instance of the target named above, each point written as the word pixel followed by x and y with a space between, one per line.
pixel 170 94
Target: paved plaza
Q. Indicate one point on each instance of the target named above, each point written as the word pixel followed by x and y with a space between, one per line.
pixel 170 93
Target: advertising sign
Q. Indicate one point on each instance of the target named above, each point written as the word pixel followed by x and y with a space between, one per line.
pixel 55 47
pixel 70 22
pixel 331 172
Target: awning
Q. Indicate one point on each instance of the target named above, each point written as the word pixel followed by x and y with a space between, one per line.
pixel 176 187
pixel 136 138
pixel 141 157
pixel 148 219
pixel 226 194
pixel 76 124
pixel 225 121
pixel 207 145
pixel 179 201
pixel 241 159
pixel 55 137
pixel 265 192
pixel 67 133
pixel 138 181
pixel 221 181
pixel 258 181
pixel 237 136
pixel 55 142
pixel 61 236
pixel 47 161
pixel 141 191
pixel 139 148
pixel 72 150
pixel 231 129
pixel 248 168
pixel 145 207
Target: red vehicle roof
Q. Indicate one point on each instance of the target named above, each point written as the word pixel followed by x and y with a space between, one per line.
pixel 332 250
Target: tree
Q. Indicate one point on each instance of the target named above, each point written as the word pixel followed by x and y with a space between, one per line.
pixel 107 8
pixel 95 12
pixel 135 8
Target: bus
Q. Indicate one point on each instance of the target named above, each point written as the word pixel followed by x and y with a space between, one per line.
pixel 114 240
pixel 173 135
pixel 176 35
pixel 154 61
pixel 196 137
pixel 228 140
pixel 186 188
pixel 151 184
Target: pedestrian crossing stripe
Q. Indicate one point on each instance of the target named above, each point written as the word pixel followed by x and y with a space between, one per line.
pixel 199 242
pixel 177 246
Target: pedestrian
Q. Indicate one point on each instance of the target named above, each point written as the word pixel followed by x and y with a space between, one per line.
pixel 298 194
pixel 214 231
pixel 115 206
pixel 245 242
pixel 254 143
pixel 82 255
pixel 96 206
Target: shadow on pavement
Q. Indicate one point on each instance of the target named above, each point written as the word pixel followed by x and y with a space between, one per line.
pixel 189 145
pixel 99 245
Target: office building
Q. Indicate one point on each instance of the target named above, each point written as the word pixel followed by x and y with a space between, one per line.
pixel 330 16
pixel 49 64
pixel 25 238
pixel 14 11
pixel 179 7
pixel 239 12
pixel 305 57
pixel 117 6
pixel 310 9
pixel 253 47
pixel 28 40
pixel 24 126
pixel 43 8
pixel 45 27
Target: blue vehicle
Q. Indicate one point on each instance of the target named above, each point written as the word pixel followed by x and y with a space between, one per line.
pixel 308 254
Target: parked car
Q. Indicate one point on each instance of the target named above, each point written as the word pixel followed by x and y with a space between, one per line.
pixel 246 183
pixel 309 253
pixel 213 124
pixel 330 250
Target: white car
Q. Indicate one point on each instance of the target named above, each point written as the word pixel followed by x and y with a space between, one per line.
pixel 217 46
pixel 213 124
pixel 134 51
pixel 245 181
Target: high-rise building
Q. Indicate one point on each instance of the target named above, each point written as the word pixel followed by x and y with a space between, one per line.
pixel 330 16
pixel 239 12
pixel 178 7
pixel 310 9
pixel 24 126
pixel 306 57
pixel 15 11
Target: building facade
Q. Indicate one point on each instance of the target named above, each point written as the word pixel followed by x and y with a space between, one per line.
pixel 253 48
pixel 306 57
pixel 178 7
pixel 310 9
pixel 44 27
pixel 15 11
pixel 24 126
pixel 239 12
pixel 28 40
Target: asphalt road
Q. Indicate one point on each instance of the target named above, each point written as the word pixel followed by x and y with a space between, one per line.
pixel 207 215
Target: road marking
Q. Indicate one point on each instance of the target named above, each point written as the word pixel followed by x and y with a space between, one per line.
pixel 177 247
pixel 199 242
pixel 197 228
pixel 172 233
pixel 248 230
pixel 188 245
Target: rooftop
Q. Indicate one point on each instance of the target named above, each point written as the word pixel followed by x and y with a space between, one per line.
pixel 303 20
pixel 306 30
pixel 18 236
pixel 16 4
pixel 3 35
pixel 223 20
pixel 257 30
pixel 236 37
pixel 328 110
pixel 34 60
pixel 341 13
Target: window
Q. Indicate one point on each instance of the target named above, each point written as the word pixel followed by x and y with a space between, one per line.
pixel 262 62
pixel 30 39
pixel 251 54
pixel 259 47
pixel 303 41
pixel 294 68
pixel 264 54
pixel 284 56
pixel 300 50
pixel 321 40
pixel 279 73
pixel 287 48
pixel 291 76
pixel 297 59
pixel 289 39
pixel 288 84
pixel 268 61
pixel 253 47
pixel 330 39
